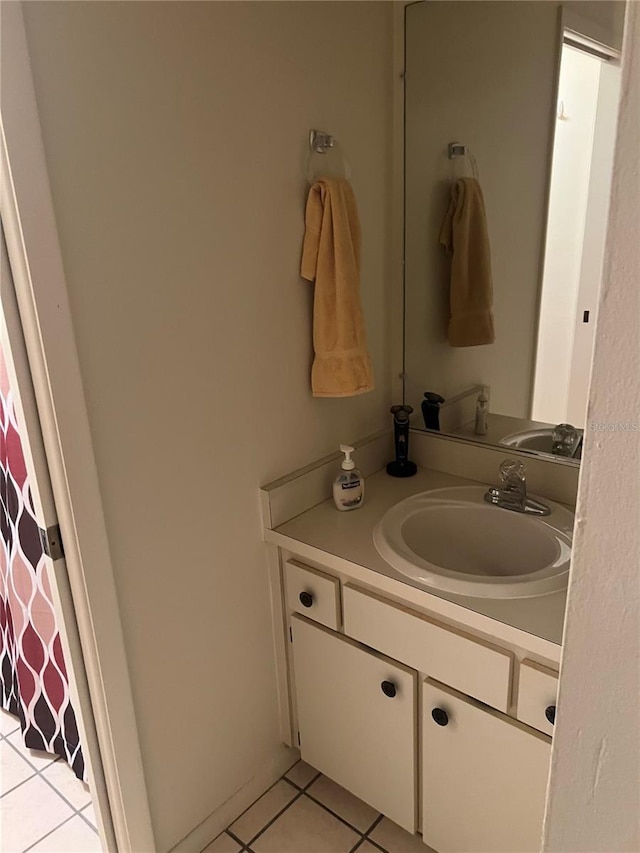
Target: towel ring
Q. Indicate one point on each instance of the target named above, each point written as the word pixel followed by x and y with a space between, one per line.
pixel 326 158
pixel 457 149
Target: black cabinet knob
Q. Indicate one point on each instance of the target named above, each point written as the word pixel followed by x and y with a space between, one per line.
pixel 440 716
pixel 306 599
pixel 550 714
pixel 389 689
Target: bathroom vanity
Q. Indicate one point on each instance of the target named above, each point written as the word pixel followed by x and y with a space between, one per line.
pixel 427 694
pixel 437 709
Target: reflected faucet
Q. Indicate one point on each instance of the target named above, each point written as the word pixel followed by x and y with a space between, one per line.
pixel 567 441
pixel 512 491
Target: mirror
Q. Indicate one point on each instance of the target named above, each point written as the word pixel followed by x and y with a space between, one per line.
pixel 501 300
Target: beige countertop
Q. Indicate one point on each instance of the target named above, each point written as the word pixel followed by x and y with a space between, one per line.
pixel 341 539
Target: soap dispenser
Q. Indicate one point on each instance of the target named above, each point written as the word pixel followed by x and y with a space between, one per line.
pixel 482 413
pixel 348 487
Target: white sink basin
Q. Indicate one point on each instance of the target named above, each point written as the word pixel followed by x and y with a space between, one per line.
pixel 452 540
pixel 530 439
pixel 533 439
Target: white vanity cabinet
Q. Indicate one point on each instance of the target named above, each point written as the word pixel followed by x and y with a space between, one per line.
pixel 484 777
pixel 380 690
pixel 357 719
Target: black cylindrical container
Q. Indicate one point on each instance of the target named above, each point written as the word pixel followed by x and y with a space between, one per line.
pixel 401 466
pixel 431 410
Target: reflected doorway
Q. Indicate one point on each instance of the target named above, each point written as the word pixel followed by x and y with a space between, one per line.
pixel 587 108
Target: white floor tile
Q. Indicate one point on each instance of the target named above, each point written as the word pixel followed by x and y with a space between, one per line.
pixel 262 811
pixel 90 814
pixel 74 836
pixel 64 780
pixel 13 768
pixel 306 826
pixel 8 723
pixel 343 803
pixel 223 844
pixel 29 812
pixel 365 847
pixel 301 774
pixel 397 840
pixel 34 756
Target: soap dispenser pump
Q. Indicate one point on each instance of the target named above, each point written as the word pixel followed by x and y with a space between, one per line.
pixel 401 466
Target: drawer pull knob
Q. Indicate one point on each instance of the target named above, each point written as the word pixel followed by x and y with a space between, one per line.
pixel 550 714
pixel 389 689
pixel 306 599
pixel 440 716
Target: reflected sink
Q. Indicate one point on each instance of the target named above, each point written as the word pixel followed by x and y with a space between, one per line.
pixel 534 439
pixel 451 539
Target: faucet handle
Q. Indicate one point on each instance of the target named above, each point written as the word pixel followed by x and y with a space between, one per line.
pixel 565 440
pixel 512 473
pixel 512 492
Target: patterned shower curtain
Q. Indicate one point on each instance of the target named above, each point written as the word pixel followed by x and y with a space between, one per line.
pixel 33 676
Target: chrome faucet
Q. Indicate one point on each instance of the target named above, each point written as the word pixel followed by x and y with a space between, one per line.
pixel 512 491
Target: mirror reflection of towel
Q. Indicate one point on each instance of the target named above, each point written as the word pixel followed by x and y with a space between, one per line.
pixel 331 258
pixel 465 237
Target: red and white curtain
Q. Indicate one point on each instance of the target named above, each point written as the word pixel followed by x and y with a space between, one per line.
pixel 33 676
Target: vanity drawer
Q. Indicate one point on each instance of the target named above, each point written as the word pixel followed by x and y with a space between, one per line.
pixel 445 654
pixel 312 593
pixel 537 693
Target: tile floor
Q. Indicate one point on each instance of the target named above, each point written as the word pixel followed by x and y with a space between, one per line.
pixel 304 812
pixel 44 808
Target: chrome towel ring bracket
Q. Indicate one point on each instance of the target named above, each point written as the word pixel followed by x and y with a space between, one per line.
pixel 335 165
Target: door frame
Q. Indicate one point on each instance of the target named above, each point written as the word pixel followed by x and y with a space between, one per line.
pixel 90 613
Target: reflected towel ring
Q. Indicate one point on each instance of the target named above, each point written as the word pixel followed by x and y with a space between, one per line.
pixel 326 153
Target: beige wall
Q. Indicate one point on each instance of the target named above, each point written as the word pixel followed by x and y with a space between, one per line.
pixel 594 788
pixel 473 77
pixel 175 135
pixel 600 20
pixel 484 74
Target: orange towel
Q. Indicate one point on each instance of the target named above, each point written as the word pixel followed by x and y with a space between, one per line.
pixel 464 235
pixel 331 258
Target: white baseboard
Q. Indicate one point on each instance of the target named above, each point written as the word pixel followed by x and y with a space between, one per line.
pixel 224 815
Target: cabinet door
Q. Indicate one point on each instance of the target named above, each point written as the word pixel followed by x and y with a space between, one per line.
pixel 484 777
pixel 357 719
